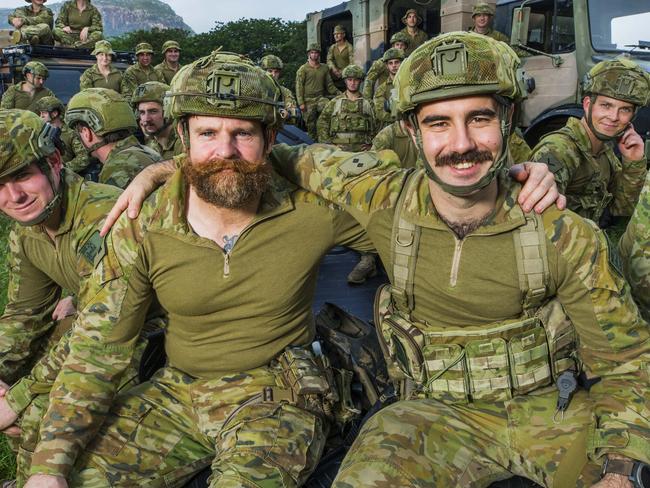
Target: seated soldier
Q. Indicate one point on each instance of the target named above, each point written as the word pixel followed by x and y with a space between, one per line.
pixel 79 24
pixel 140 72
pixel 33 23
pixel 378 72
pixel 169 66
pixel 597 184
pixel 24 95
pixel 102 74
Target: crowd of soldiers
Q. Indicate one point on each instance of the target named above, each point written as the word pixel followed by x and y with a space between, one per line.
pixel 516 339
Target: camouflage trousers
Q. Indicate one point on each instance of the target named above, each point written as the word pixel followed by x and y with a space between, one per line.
pixel 72 40
pixel 427 443
pixel 163 431
pixel 42 31
pixel 313 109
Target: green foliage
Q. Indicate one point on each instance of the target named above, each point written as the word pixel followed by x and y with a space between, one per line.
pixel 252 37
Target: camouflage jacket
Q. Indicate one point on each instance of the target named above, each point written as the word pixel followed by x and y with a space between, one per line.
pixel 313 83
pixel 173 146
pixel 69 15
pixel 45 16
pixel 451 276
pixel 376 75
pixel 126 160
pixel 166 72
pixel 14 97
pixel 494 34
pixel 635 251
pixel 136 75
pixel 519 149
pixel 395 138
pixel 242 316
pixel 339 59
pixel 74 155
pixel 288 98
pixel 347 123
pixel 40 269
pixel 92 78
pixel 382 95
pixel 418 39
pixel 590 183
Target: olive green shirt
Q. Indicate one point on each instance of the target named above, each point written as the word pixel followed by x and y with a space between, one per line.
pixel 14 97
pixel 313 83
pixel 137 75
pixel 339 58
pixel 92 78
pixel 166 72
pixel 418 39
pixel 173 146
pixel 44 16
pixel 125 161
pixel 70 16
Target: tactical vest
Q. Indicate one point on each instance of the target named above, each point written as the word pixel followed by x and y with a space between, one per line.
pixel 350 122
pixel 491 362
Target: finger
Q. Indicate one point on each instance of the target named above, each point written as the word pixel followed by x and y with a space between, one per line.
pixel 561 202
pixel 135 205
pixel 13 431
pixel 119 207
pixel 518 173
pixel 544 193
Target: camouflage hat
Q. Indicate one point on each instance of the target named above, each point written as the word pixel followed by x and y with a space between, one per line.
pixel 339 29
pixel 151 91
pixel 30 1
pixel 143 47
pixel 170 45
pixel 619 78
pixel 412 11
pixel 270 61
pixel 225 84
pixel 103 110
pixel 36 68
pixel 103 46
pixel 393 53
pixel 400 37
pixel 24 139
pixel 482 8
pixel 352 71
pixel 314 46
pixel 49 104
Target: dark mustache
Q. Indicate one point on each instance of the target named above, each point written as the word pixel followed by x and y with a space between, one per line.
pixel 474 156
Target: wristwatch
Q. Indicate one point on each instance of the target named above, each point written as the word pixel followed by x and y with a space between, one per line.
pixel 636 471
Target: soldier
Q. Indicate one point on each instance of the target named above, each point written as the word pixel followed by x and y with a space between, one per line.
pixel 166 70
pixel 416 36
pixel 102 74
pixel 273 65
pixel 339 55
pixel 140 72
pixel 53 249
pixel 105 124
pixel 313 84
pixel 482 16
pixel 73 153
pixel 378 72
pixel 348 120
pixel 393 59
pixel 33 23
pixel 492 312
pixel 396 137
pixel 79 24
pixel 25 94
pixel 160 133
pixel 581 154
pixel 240 363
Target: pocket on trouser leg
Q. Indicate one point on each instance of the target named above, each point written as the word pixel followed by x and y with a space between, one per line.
pixel 279 441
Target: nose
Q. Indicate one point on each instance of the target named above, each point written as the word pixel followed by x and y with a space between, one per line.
pixel 461 140
pixel 13 192
pixel 224 147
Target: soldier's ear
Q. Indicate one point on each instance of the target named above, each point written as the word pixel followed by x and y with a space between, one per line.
pixel 56 163
pixel 269 140
pixel 408 126
pixel 586 103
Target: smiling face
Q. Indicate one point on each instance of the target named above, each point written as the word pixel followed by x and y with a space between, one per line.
pixel 609 116
pixel 145 59
pixel 172 55
pixel 481 21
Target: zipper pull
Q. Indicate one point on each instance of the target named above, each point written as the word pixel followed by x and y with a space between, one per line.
pixel 226 265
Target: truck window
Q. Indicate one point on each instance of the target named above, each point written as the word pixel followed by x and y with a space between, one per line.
pixel 620 25
pixel 551 26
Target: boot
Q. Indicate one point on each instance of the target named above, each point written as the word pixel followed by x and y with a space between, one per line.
pixel 365 268
pixel 16 37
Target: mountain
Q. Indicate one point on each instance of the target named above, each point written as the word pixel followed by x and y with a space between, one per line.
pixel 121 16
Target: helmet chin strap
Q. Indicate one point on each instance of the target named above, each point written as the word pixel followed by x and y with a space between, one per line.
pixel 499 164
pixel 53 204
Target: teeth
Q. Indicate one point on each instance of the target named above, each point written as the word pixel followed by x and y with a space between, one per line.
pixel 463 165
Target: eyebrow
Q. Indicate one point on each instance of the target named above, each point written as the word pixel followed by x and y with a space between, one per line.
pixel 486 112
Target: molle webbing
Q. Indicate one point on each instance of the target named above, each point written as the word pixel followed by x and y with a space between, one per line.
pixel 532 263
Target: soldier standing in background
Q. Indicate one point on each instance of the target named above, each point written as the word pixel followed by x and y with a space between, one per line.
pixel 339 55
pixel 313 85
pixel 482 16
pixel 417 36
pixel 378 71
pixel 33 23
pixel 166 70
pixel 140 72
pixel 79 24
pixel 25 94
pixel 102 74
pixel 273 65
pixel 381 102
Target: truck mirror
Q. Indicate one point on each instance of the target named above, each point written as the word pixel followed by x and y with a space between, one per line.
pixel 520 21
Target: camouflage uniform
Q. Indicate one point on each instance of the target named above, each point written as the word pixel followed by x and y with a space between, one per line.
pixel 382 96
pixel 173 146
pixel 15 97
pixel 487 9
pixel 137 74
pixel 519 149
pixel 397 139
pixel 70 16
pixel 92 78
pixel 37 25
pixel 420 36
pixel 222 393
pixel 125 161
pixel 339 58
pixel 634 247
pixel 494 34
pixel 378 71
pixel 474 415
pixel 166 72
pixel 591 183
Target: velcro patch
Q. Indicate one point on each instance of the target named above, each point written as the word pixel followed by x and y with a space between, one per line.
pixel 93 249
pixel 358 164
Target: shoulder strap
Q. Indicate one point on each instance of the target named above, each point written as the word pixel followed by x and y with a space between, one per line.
pixel 532 262
pixel 405 240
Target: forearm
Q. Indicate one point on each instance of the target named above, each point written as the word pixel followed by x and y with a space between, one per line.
pixel 627 187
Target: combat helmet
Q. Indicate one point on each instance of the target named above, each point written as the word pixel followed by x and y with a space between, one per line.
pixel 36 68
pixel 49 104
pixel 170 45
pixel 151 91
pixel 27 139
pixel 400 37
pixel 482 8
pixel 225 84
pixel 314 46
pixel 619 78
pixel 271 61
pixel 352 71
pixel 454 65
pixel 143 47
pixel 393 53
